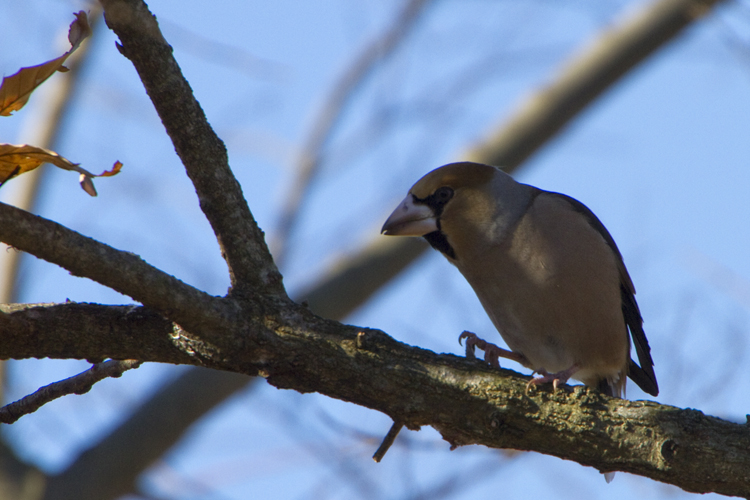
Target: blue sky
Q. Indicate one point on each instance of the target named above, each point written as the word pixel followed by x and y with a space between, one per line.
pixel 662 159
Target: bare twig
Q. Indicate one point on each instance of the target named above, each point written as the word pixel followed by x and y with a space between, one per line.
pixel 387 441
pixel 78 384
pixel 330 114
pixel 212 51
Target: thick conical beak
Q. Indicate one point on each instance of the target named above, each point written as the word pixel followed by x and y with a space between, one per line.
pixel 410 219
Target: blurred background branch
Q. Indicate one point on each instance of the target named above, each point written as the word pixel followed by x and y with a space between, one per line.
pixel 311 156
pixel 156 426
pixel 42 128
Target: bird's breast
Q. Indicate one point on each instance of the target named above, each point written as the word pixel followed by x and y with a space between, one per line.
pixel 552 290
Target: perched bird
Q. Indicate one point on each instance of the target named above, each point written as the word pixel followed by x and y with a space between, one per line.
pixel 546 270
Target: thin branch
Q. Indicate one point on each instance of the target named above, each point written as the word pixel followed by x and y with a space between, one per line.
pixel 78 384
pixel 124 272
pixel 388 440
pixel 343 91
pixel 202 152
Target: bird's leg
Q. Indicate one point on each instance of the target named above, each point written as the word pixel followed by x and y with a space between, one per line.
pixel 556 378
pixel 492 353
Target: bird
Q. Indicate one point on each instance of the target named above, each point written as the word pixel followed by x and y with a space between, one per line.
pixel 547 272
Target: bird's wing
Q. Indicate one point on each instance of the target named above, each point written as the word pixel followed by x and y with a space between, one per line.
pixel 642 375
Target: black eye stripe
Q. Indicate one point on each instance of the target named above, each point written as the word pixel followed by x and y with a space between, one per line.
pixel 437 200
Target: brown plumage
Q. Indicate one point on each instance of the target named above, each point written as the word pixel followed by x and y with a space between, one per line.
pixel 546 270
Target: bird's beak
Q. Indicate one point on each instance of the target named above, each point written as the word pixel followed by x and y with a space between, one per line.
pixel 410 219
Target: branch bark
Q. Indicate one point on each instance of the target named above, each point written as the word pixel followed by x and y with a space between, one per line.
pixel 124 272
pixel 78 384
pixel 202 152
pixel 465 400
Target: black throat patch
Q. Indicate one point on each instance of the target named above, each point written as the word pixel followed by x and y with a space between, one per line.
pixel 438 241
pixel 437 201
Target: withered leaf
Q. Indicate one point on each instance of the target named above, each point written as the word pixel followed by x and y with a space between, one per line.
pixel 18 159
pixel 16 89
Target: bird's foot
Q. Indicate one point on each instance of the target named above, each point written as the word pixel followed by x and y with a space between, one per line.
pixel 556 378
pixel 492 353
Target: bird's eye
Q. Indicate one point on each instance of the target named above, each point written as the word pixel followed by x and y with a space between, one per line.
pixel 443 194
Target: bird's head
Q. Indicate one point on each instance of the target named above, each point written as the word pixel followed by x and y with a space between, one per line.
pixel 460 208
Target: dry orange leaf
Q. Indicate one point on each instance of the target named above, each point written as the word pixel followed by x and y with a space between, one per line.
pixel 16 89
pixel 115 170
pixel 17 159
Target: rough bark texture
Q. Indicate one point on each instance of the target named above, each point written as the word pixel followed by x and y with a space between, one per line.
pixel 465 400
pixel 202 152
pixel 257 330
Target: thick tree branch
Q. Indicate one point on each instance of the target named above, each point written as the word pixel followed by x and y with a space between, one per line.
pixel 95 332
pixel 310 354
pixel 202 152
pixel 122 271
pixel 465 400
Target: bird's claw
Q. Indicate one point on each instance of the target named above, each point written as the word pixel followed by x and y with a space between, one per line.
pixel 473 341
pixel 492 353
pixel 558 378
